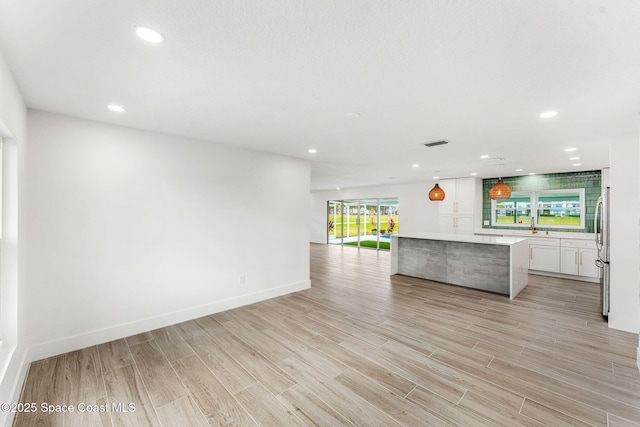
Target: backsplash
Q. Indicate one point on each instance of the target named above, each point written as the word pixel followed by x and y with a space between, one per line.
pixel 590 181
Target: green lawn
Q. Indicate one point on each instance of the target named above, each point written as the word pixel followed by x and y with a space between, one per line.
pixel 370 244
pixel 352 229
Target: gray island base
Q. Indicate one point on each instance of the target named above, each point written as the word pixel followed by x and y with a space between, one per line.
pixel 493 264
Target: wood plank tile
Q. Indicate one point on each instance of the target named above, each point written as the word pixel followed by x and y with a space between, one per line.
pixel 347 327
pixel 347 350
pixel 446 411
pixel 227 369
pixel 402 410
pixel 96 413
pixel 161 381
pixel 351 406
pixel 592 398
pixel 615 421
pixel 391 380
pixel 281 321
pixel 310 354
pixel 310 408
pixel 44 384
pixel 268 347
pixel 182 412
pixel 211 326
pixel 139 338
pixel 549 416
pixel 171 343
pixel 410 364
pixel 114 355
pixel 492 411
pixel 83 376
pixel 213 399
pixel 189 329
pixel 124 386
pixel 265 408
pixel 520 385
pixel 450 382
pixel 261 368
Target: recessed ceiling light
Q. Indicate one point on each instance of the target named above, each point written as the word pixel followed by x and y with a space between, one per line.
pixel 568 150
pixel 532 173
pixel 313 150
pixel 548 114
pixel 577 164
pixel 415 165
pixel 518 170
pixel 116 108
pixel 574 158
pixel 338 188
pixel 474 173
pixel 484 156
pixel 353 115
pixel 436 177
pixel 150 35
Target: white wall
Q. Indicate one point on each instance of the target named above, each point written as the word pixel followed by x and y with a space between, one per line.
pixel 417 212
pixel 132 230
pixel 13 130
pixel 625 241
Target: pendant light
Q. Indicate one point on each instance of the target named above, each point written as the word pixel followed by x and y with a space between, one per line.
pixel 500 191
pixel 436 194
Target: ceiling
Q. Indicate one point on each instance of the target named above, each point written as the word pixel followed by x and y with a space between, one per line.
pixel 365 83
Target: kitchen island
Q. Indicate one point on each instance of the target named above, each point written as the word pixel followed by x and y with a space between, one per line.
pixel 493 264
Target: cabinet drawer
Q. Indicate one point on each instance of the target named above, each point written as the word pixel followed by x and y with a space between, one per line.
pixel 541 241
pixel 575 243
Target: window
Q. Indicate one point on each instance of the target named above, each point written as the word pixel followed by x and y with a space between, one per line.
pixel 512 212
pixel 561 208
pixel 553 209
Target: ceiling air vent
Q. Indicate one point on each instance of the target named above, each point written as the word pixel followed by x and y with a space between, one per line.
pixel 435 144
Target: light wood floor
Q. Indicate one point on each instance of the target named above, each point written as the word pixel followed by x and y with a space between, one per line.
pixel 361 348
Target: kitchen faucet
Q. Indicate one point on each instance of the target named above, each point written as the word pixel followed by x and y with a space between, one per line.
pixel 533 225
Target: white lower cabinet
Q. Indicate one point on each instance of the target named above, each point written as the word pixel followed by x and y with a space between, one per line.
pixel 579 257
pixel 569 264
pixel 544 256
pixel 588 266
pixel 567 256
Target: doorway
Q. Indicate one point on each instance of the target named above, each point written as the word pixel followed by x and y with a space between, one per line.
pixel 367 223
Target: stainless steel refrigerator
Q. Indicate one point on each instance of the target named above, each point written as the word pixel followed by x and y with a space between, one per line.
pixel 601 229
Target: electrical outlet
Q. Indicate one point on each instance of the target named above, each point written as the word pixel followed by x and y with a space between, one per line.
pixel 241 279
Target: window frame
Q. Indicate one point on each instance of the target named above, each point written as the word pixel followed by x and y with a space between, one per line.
pixel 534 197
pixel 494 211
pixel 581 194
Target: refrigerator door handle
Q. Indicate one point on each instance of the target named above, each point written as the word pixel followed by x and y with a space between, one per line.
pixel 598 232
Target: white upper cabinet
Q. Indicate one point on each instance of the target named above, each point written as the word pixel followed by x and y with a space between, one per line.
pixel 461 210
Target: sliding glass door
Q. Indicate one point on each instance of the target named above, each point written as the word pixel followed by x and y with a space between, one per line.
pixel 335 222
pixel 362 222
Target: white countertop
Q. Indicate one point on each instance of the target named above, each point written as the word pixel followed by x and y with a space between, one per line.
pixel 488 240
pixel 542 234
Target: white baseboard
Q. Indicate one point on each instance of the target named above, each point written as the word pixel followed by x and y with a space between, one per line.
pixel 14 371
pixel 65 345
pixel 565 276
